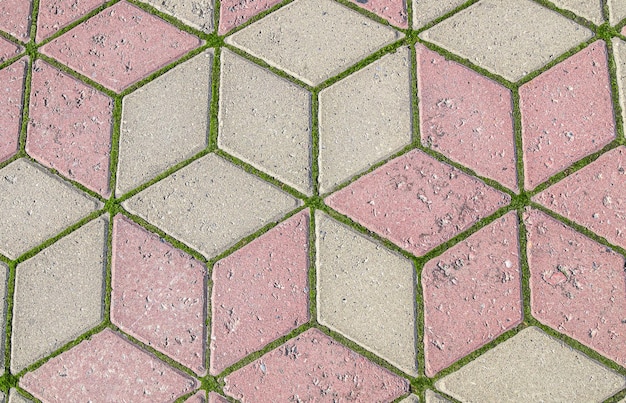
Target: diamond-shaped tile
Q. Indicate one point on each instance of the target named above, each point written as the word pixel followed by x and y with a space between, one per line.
pixel 197 13
pixel 8 49
pixel 164 122
pixel 472 293
pixel 393 11
pixel 35 206
pixel 417 202
pixel 532 367
pixel 59 294
pixel 366 293
pixel 507 37
pixel 466 117
pixel 120 46
pixel 15 18
pixel 265 120
pixel 106 365
pixel 425 11
pixel 313 39
pixel 594 196
pixel 354 135
pixel 56 14
pixel 567 114
pixel 260 292
pixel 235 12
pixel 313 366
pixel 12 85
pixel 589 9
pixel 211 204
pixel 617 11
pixel 158 294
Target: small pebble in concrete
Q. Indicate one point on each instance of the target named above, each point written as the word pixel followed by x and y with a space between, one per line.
pixel 56 14
pixel 589 9
pixel 236 12
pixel 260 292
pixel 216 398
pixel 196 13
pixel 424 11
pixel 12 84
pixel 393 11
pixel 8 50
pixel 15 18
pixel 617 12
pixel 417 202
pixel 311 366
pixel 567 114
pixel 619 53
pixel 108 365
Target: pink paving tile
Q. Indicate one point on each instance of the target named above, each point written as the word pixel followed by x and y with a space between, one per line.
pixel 8 50
pixel 594 196
pixel 260 292
pixel 106 365
pixel 472 293
pixel 235 12
pixel 12 88
pixel 15 18
pixel 314 367
pixel 466 117
pixel 120 46
pixel 567 114
pixel 199 397
pixel 158 294
pixel 69 127
pixel 577 285
pixel 417 202
pixel 215 398
pixel 393 11
pixel 56 14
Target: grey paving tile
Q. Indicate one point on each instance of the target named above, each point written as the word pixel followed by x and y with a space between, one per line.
pixel 410 399
pixel 532 367
pixel 508 37
pixel 424 11
pixel 265 120
pixel 210 204
pixel 197 13
pixel 364 118
pixel 617 11
pixel 619 52
pixel 15 397
pixel 366 293
pixel 313 40
pixel 59 294
pixel 164 122
pixel 432 397
pixel 35 206
pixel 589 9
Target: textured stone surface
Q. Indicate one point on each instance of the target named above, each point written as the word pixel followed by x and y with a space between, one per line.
pixel 215 398
pixel 313 365
pixel 472 293
pixel 15 18
pixel 56 14
pixel 617 11
pixel 199 397
pixel 69 127
pixel 260 292
pixel 197 13
pixel 393 11
pixel 12 84
pixel 15 397
pixel 589 9
pixel 120 46
pixel 265 120
pixel 106 365
pixel 236 12
pixel 36 206
pixel 507 37
pixel 593 197
pixel 354 135
pixel 415 188
pixel 410 399
pixel 466 117
pixel 290 39
pixel 8 49
pixel 432 397
pixel 158 294
pixel 567 114
pixel 59 294
pixel 366 293
pixel 532 367
pixel 210 204
pixel 164 122
pixel 424 11
pixel 619 54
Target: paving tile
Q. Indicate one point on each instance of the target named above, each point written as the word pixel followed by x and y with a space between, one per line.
pixel 236 12
pixel 11 84
pixel 238 203
pixel 15 397
pixel 215 398
pixel 158 294
pixel 432 397
pixel 617 11
pixel 199 397
pixel 410 399
pixel 15 18
pixel 69 127
pixel 8 50
pixel 366 293
pixel 36 206
pixel 120 46
pixel 589 9
pixel 54 15
pixel 577 285
pixel 313 366
pixel 619 53
pixel 196 13
pixel 4 278
pixel 393 11
pixel 510 38
pixel 567 114
pixel 164 122
pixel 106 365
pixel 424 11
pixel 290 39
pixel 472 293
pixel 416 188
pixel 466 117
pixel 59 294
pixel 532 367
pixel 593 197
pixel 355 135
pixel 260 292
pixel 265 121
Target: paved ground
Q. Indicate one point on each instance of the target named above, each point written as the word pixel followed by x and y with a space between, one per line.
pixel 313 200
